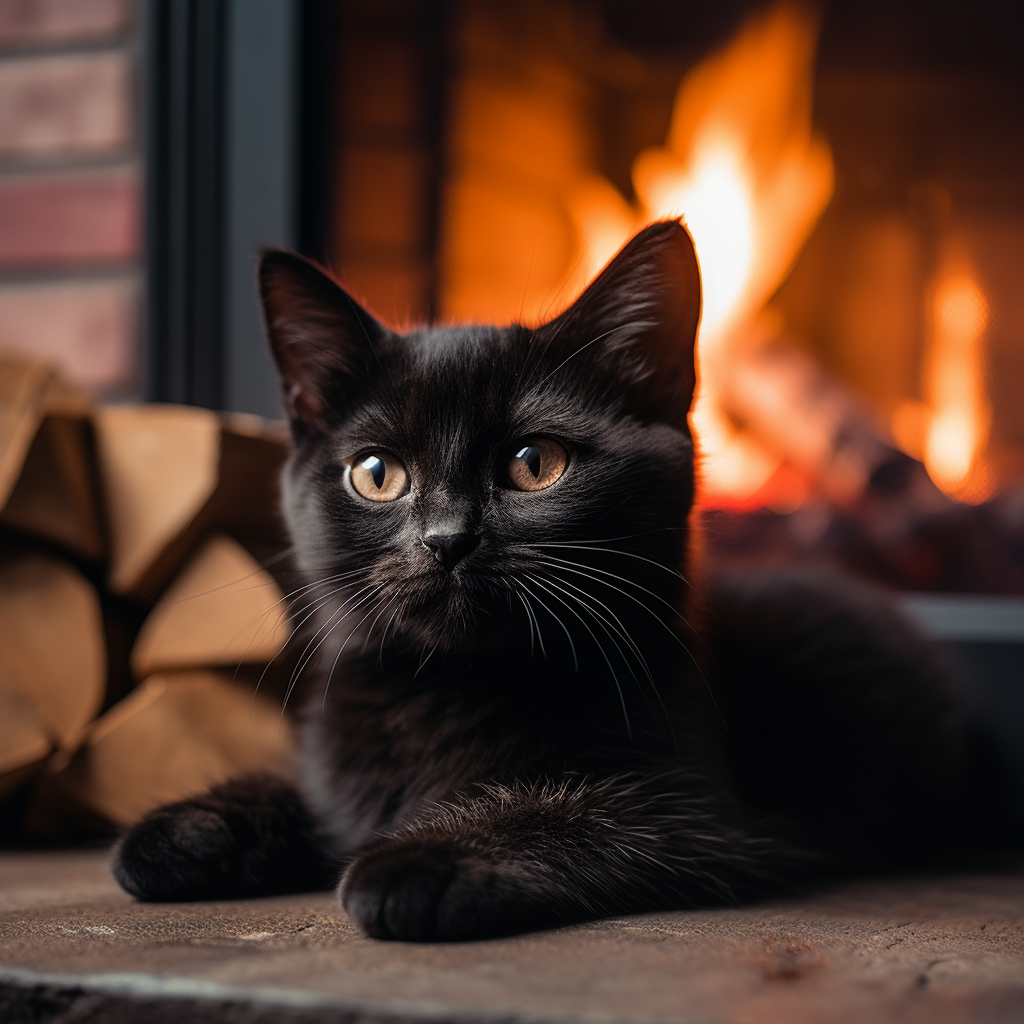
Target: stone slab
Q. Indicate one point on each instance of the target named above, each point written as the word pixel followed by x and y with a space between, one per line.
pixel 932 949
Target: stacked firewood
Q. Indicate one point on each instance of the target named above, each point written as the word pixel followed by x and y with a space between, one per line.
pixel 136 617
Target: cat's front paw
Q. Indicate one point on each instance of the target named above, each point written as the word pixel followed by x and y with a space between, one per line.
pixel 180 852
pixel 431 890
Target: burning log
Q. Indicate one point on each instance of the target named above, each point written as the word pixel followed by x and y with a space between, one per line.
pixel 846 493
pixel 822 432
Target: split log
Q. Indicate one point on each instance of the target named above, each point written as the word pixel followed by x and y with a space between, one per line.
pixel 51 647
pixel 221 609
pixel 52 661
pixel 176 734
pixel 158 465
pixel 173 474
pixel 48 487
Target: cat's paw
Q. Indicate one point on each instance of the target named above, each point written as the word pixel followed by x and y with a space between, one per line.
pixel 184 851
pixel 431 890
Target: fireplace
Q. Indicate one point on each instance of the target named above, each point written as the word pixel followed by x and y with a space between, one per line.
pixel 851 179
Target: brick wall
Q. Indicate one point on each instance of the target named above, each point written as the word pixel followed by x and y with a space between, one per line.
pixel 521 144
pixel 70 187
pixel 387 156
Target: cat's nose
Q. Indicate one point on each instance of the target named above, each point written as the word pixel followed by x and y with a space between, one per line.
pixel 450 548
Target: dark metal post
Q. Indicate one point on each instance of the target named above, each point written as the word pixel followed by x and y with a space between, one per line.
pixel 184 201
pixel 226 160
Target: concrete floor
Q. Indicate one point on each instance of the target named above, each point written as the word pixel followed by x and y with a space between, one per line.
pixel 74 948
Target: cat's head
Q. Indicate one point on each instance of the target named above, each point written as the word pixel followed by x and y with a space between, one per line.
pixel 475 483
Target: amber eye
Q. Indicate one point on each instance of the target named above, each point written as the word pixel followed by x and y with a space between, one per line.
pixel 537 463
pixel 379 476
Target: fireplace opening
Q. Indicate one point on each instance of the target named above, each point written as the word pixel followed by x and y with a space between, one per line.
pixel 850 174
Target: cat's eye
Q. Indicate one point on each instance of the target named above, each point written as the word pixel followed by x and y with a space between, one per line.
pixel 537 463
pixel 379 476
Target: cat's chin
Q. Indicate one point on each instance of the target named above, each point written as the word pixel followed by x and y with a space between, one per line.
pixel 453 623
pixel 482 635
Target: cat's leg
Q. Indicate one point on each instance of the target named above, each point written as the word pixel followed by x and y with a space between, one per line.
pixel 524 857
pixel 250 836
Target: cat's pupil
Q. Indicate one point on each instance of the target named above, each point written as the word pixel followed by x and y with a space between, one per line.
pixel 376 468
pixel 531 456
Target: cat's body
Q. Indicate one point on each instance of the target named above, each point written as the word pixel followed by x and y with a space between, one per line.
pixel 524 704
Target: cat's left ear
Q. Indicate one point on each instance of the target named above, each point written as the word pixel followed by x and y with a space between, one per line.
pixel 640 316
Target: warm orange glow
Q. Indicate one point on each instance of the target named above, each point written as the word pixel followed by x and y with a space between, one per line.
pixel 528 224
pixel 909 426
pixel 742 166
pixel 960 415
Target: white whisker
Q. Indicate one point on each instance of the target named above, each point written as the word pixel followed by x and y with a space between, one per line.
pixel 572 645
pixel 597 642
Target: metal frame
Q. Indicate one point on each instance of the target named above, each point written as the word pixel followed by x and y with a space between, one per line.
pixel 184 190
pixel 238 107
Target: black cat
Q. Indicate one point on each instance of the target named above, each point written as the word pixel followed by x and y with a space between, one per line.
pixel 528 707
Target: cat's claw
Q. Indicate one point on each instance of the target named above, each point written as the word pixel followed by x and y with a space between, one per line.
pixel 430 893
pixel 181 852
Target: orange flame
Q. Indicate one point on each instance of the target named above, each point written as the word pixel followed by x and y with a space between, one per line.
pixel 743 167
pixel 949 429
pixel 954 377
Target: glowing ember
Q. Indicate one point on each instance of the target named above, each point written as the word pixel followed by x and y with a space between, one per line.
pixel 742 166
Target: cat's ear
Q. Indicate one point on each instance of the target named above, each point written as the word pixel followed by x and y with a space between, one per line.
pixel 640 315
pixel 321 339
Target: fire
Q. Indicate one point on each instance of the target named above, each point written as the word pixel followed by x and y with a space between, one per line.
pixel 954 378
pixel 716 198
pixel 949 429
pixel 742 164
pixel 743 167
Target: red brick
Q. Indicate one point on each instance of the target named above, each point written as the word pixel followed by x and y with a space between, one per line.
pixel 88 330
pixel 28 22
pixel 64 105
pixel 381 87
pixel 382 199
pixel 395 291
pixel 69 218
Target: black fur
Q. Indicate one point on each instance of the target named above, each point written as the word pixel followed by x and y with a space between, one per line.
pixel 248 837
pixel 565 721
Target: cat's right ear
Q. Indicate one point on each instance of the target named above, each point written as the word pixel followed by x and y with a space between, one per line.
pixel 321 338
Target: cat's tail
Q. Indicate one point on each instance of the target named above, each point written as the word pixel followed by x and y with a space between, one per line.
pixel 841 717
